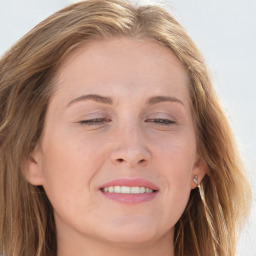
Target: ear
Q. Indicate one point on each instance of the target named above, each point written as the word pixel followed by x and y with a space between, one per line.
pixel 33 168
pixel 198 173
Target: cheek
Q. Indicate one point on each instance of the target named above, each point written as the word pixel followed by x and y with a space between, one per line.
pixel 177 165
pixel 176 162
pixel 69 163
pixel 177 153
pixel 69 166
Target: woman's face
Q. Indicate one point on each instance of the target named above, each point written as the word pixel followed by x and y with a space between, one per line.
pixel 118 151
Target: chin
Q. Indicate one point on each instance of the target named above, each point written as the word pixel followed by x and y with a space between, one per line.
pixel 135 231
pixel 130 240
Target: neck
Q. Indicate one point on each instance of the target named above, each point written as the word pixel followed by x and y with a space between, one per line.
pixel 80 246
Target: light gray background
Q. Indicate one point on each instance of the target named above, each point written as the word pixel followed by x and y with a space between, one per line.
pixel 225 32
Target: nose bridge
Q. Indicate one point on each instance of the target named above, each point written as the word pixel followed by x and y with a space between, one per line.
pixel 131 148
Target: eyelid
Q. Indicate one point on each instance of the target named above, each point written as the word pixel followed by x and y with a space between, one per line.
pixel 161 122
pixel 94 115
pixel 94 121
pixel 160 115
pixel 97 117
pixel 160 119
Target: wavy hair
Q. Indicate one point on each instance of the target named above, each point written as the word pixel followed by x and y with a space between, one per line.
pixel 216 210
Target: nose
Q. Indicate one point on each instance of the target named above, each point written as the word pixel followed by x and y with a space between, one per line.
pixel 130 149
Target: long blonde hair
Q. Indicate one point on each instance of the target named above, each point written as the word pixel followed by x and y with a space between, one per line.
pixel 215 212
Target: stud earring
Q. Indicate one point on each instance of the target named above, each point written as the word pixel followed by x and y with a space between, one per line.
pixel 195 179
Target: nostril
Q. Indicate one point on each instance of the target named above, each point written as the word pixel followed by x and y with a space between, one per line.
pixel 121 160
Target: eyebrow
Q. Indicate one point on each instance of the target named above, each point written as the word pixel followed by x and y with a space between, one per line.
pixel 94 97
pixel 159 99
pixel 109 101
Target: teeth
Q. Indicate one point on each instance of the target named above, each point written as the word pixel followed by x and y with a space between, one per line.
pixel 127 190
pixel 142 190
pixel 149 190
pixel 135 190
pixel 117 189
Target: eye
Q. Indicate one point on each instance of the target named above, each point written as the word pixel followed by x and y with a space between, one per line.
pixel 94 121
pixel 161 121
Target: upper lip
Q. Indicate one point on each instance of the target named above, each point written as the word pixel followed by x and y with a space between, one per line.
pixel 139 182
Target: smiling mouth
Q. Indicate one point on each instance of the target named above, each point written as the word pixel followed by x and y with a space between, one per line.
pixel 130 191
pixel 127 190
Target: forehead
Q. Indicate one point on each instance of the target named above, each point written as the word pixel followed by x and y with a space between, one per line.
pixel 103 66
pixel 126 49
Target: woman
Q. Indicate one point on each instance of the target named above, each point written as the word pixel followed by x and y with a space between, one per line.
pixel 109 124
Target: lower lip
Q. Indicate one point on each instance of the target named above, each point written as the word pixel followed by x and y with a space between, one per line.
pixel 130 198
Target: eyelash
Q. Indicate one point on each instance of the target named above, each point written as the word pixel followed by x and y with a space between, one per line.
pixel 100 121
pixel 95 121
pixel 161 121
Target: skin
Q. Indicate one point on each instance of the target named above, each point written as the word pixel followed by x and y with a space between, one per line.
pixel 73 159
